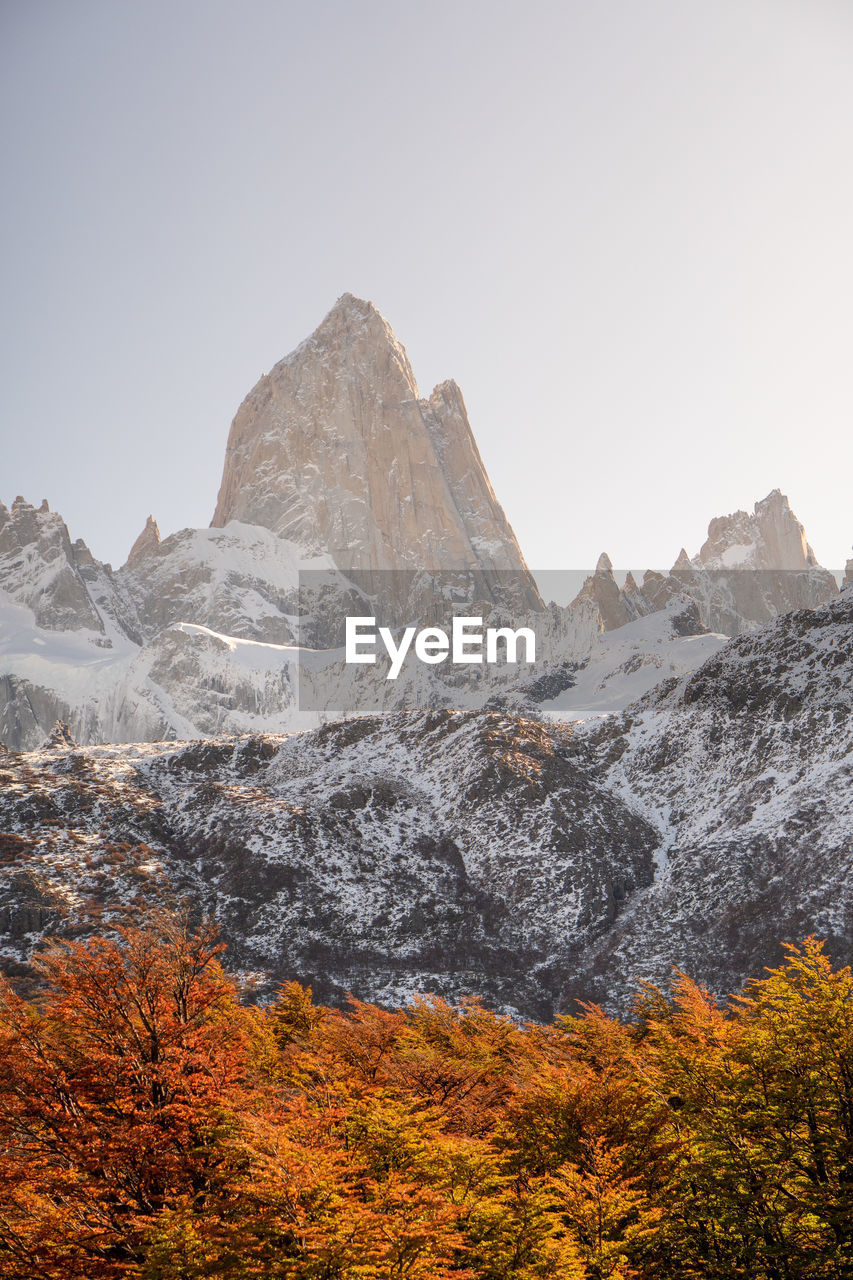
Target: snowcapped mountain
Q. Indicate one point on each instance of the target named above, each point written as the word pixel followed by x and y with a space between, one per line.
pixel 191 681
pixel 472 850
pixel 60 583
pixel 138 653
pixel 745 769
pixel 345 492
pixel 752 567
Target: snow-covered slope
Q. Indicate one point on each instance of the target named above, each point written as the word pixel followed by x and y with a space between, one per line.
pixel 745 768
pixel 476 851
pixel 414 851
pixel 210 632
pixel 140 653
pixel 626 663
pixel 242 580
pixel 61 582
pixel 191 681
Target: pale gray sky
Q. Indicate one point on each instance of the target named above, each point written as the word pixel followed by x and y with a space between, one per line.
pixel 624 227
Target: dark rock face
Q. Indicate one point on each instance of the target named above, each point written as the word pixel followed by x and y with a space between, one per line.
pixel 443 851
pixel 459 852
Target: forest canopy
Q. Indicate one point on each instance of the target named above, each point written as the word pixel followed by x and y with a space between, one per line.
pixel 155 1123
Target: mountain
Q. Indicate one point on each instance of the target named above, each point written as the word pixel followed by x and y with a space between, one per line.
pixel 471 850
pixel 336 450
pixel 344 492
pixel 189 680
pixel 648 792
pixel 61 583
pixel 139 653
pixel 752 567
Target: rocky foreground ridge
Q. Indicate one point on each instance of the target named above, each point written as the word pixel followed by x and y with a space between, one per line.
pixel 473 851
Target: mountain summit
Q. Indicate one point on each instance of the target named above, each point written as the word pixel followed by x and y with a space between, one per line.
pixel 769 538
pixel 335 450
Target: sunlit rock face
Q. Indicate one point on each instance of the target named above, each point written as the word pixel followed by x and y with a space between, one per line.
pixel 147 542
pixel 769 538
pixel 616 606
pixel 336 451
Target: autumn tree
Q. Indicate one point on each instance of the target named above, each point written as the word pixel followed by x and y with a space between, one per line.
pixel 117 1096
pixel 156 1126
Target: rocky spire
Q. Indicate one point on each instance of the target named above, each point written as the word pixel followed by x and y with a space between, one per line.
pixel 147 542
pixel 754 566
pixel 38 568
pixel 59 738
pixel 601 588
pixel 335 450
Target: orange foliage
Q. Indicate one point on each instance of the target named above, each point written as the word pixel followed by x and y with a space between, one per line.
pixel 153 1126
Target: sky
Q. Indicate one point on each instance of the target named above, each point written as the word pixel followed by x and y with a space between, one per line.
pixel 623 227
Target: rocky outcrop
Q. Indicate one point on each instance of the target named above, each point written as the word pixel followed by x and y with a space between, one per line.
pixel 60 738
pixel 242 581
pixel 745 768
pixel 60 581
pixel 771 537
pixel 26 710
pixel 602 590
pixel 616 606
pixel 754 567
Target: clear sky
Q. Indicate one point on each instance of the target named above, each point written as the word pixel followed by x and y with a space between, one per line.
pixel 624 226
